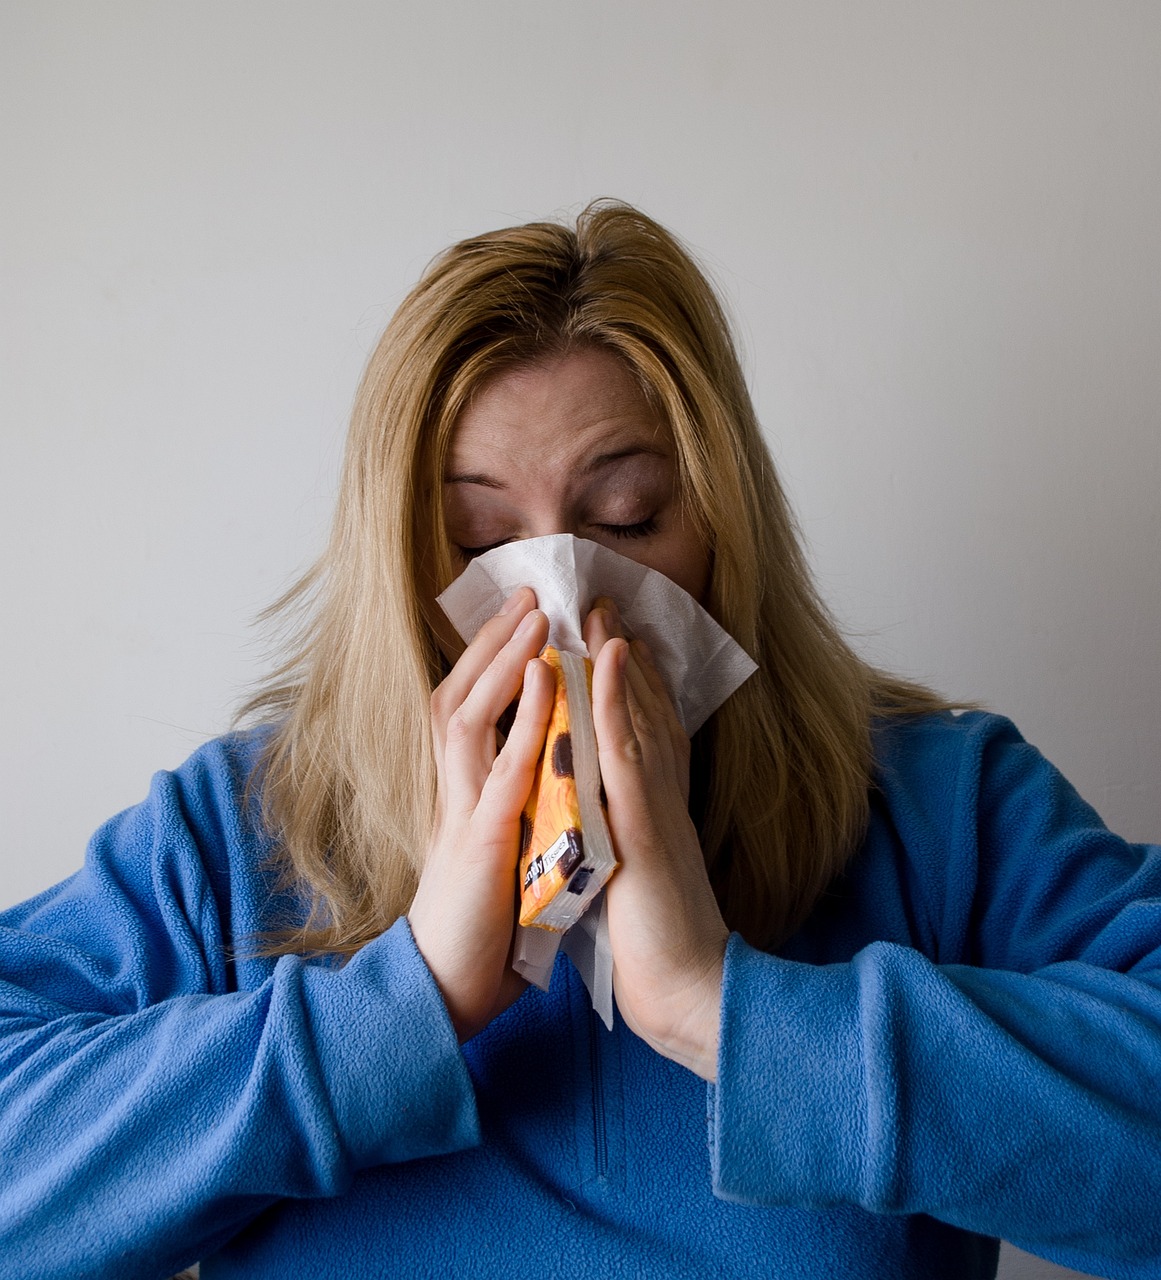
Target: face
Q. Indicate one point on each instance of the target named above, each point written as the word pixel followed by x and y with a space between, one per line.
pixel 569 444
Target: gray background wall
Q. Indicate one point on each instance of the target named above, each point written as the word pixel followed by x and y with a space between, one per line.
pixel 936 222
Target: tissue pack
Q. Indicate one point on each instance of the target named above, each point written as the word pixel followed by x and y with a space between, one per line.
pixel 566 853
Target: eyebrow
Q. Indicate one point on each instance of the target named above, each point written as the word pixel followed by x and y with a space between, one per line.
pixel 594 464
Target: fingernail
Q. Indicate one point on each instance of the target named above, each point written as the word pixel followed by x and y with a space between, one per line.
pixel 528 623
pixel 513 600
pixel 622 658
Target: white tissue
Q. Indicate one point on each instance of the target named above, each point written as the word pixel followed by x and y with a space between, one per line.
pixel 699 662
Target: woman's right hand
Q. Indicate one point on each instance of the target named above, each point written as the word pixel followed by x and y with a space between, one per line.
pixel 464 910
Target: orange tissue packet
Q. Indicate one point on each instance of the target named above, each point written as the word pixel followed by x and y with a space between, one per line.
pixel 566 852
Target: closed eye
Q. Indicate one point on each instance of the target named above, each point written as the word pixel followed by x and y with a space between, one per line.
pixel 470 553
pixel 642 529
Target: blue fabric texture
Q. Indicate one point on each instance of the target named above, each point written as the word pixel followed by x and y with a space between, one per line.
pixel 963 1043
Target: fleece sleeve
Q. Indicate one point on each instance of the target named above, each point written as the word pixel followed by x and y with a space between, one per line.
pixel 147 1111
pixel 1018 1095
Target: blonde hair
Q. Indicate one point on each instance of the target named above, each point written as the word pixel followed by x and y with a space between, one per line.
pixel 782 771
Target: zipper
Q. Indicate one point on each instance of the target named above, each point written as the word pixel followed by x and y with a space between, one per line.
pixel 600 1131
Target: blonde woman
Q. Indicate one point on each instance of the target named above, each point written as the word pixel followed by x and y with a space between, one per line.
pixel 273 1024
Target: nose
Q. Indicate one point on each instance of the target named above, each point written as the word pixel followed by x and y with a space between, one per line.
pixel 549 519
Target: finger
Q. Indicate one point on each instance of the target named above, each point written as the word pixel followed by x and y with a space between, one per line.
pixel 470 734
pixel 652 691
pixel 662 700
pixel 664 742
pixel 617 745
pixel 656 681
pixel 475 659
pixel 649 720
pixel 595 632
pixel 601 625
pixel 502 678
pixel 643 692
pixel 510 779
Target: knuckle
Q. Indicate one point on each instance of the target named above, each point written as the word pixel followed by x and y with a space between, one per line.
pixel 646 733
pixel 440 702
pixel 495 667
pixel 628 748
pixel 459 727
pixel 498 630
pixel 503 769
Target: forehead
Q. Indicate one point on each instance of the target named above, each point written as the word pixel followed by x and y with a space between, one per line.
pixel 563 409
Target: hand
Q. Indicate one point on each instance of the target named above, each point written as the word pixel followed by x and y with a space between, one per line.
pixel 464 910
pixel 666 931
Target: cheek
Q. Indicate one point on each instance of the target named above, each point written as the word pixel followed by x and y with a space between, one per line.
pixel 695 575
pixel 684 559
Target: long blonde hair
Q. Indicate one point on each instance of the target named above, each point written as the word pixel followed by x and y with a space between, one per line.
pixel 783 770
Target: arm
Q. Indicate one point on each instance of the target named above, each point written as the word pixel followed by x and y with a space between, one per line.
pixel 147 1109
pixel 1018 1095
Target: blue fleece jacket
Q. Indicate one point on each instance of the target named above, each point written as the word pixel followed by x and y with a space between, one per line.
pixel 964 1042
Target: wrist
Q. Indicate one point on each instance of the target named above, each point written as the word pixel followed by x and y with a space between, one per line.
pixel 694 1044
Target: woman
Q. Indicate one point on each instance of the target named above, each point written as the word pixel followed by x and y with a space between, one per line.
pixel 273 1023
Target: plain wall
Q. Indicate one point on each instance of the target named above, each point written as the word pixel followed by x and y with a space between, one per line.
pixel 936 223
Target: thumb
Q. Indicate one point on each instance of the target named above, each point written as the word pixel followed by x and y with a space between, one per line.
pixel 617 744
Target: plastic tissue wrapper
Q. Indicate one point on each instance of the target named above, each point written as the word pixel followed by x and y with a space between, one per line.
pixel 699 662
pixel 566 851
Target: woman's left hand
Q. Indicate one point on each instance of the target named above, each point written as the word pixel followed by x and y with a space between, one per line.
pixel 666 931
